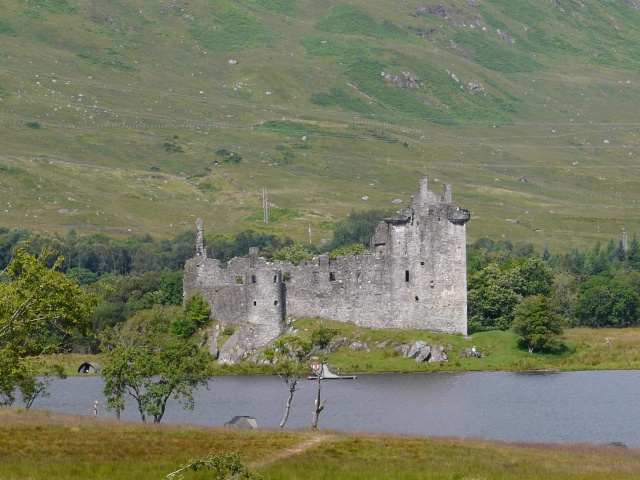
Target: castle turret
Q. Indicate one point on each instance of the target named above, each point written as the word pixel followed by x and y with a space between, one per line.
pixel 201 250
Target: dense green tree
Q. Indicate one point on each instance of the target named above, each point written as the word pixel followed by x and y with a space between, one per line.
pixel 535 277
pixel 523 250
pixel 537 326
pixel 494 291
pixel 491 299
pixel 358 227
pixel 566 296
pixel 633 253
pixel 598 260
pixel 322 336
pixel 145 361
pixel 82 276
pixel 40 309
pixel 170 284
pixel 294 254
pixel 604 301
pixel 351 249
pixel 196 315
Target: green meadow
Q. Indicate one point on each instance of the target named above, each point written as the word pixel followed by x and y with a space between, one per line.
pixel 123 118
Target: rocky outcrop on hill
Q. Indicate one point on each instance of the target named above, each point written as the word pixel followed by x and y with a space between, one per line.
pixel 421 351
pixel 406 80
pixel 244 343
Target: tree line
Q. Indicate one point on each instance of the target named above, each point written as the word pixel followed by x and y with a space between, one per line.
pixel 597 287
pixel 538 294
pixel 123 297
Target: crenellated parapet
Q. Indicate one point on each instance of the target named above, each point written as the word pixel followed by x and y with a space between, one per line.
pixel 414 277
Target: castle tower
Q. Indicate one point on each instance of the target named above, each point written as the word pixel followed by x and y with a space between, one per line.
pixel 414 278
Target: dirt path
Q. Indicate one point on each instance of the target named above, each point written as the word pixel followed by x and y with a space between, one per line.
pixel 290 452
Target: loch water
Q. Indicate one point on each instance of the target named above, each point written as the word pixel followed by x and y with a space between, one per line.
pixel 536 407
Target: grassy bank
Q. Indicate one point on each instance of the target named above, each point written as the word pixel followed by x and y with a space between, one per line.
pixel 586 350
pixel 40 445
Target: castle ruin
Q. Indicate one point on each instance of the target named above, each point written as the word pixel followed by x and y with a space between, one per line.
pixel 414 277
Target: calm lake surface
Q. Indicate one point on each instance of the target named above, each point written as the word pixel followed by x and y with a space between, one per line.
pixel 568 407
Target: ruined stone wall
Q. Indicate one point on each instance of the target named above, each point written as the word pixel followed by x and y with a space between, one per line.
pixel 414 277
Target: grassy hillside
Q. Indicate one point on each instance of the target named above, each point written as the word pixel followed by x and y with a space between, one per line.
pixel 139 116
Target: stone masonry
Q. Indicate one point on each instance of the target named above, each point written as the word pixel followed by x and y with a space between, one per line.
pixel 414 277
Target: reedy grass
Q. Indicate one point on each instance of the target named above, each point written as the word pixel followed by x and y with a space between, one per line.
pixel 41 445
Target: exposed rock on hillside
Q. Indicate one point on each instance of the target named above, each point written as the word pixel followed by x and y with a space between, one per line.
pixel 406 80
pixel 421 351
pixel 505 36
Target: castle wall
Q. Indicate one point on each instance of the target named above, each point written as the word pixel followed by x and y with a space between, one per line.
pixel 414 277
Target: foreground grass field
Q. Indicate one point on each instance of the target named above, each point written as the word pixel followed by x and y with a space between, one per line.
pixel 41 445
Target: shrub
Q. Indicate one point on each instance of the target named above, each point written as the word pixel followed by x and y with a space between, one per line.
pixel 7 29
pixel 228 157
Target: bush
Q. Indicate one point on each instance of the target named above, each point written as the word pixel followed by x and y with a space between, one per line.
pixel 228 157
pixel 7 29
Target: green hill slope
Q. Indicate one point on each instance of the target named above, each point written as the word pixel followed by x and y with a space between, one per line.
pixel 141 116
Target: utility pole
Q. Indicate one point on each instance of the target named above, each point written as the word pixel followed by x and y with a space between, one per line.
pixel 265 205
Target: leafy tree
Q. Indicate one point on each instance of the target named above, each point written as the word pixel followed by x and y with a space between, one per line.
pixel 358 227
pixel 566 296
pixel 320 339
pixel 147 362
pixel 40 309
pixel 82 276
pixel 538 328
pixel 491 299
pixel 598 260
pixel 34 380
pixel 495 291
pixel 196 315
pixel 351 249
pixel 603 301
pixel 536 277
pixel 294 254
pixel 289 354
pixel 170 285
pixel 322 336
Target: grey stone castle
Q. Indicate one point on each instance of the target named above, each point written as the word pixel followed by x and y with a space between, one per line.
pixel 414 277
